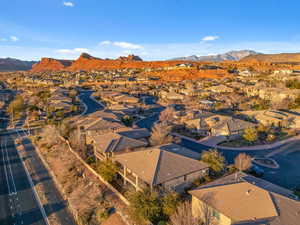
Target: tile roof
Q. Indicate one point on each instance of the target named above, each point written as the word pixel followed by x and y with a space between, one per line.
pixel 240 202
pixel 233 199
pixel 156 165
pixel 113 142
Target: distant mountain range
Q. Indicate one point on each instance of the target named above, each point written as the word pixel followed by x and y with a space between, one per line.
pixel 89 63
pixel 232 55
pixel 274 58
pixel 10 64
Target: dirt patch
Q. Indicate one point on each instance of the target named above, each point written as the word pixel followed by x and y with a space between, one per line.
pixel 85 193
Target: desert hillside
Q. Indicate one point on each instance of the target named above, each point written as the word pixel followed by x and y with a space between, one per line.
pixel 274 58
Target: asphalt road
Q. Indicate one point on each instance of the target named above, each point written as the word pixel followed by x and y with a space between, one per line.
pixel 287 175
pixel 18 203
pixel 91 104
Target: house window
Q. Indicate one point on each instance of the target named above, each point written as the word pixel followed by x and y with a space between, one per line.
pixel 184 177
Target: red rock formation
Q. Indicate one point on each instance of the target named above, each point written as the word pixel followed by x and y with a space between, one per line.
pixel 130 58
pixel 48 64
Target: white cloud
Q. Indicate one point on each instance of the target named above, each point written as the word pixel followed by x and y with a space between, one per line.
pixel 210 38
pixel 122 44
pixel 81 49
pixel 68 4
pixel 65 51
pixel 105 43
pixel 14 38
pixel 127 45
pixel 72 51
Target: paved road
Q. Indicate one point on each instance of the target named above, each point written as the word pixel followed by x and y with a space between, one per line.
pixel 287 175
pixel 18 203
pixel 40 175
pixel 90 103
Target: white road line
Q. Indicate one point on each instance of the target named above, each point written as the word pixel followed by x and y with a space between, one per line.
pixel 13 200
pixel 4 164
pixel 10 171
pixel 33 189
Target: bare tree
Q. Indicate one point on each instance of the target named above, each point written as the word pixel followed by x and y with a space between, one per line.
pixel 243 162
pixel 77 142
pixel 167 115
pixel 160 134
pixel 200 214
pixel 183 215
pixel 206 212
pixel 50 135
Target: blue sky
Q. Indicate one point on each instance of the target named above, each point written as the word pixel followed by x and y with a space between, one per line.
pixel 153 29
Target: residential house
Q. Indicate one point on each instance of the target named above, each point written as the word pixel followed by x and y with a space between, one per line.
pixel 207 123
pixel 220 89
pixel 272 94
pixel 241 199
pixel 161 168
pixel 289 119
pixel 109 144
pixel 97 123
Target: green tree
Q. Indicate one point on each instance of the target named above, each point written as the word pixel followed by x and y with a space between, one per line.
pixel 145 206
pixel 214 159
pixel 108 170
pixel 169 203
pixel 250 134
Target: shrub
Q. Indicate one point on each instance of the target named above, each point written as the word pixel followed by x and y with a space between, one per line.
pixel 169 203
pixel 102 214
pixel 250 134
pixel 214 159
pixel 145 206
pixel 108 170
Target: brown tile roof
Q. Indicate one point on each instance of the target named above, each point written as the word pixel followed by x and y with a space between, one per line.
pixel 232 202
pixel 240 202
pixel 113 142
pixel 156 166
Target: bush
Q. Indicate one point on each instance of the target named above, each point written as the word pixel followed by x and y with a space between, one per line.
pixel 214 159
pixel 148 206
pixel 108 170
pixel 145 206
pixel 250 134
pixel 102 214
pixel 169 203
